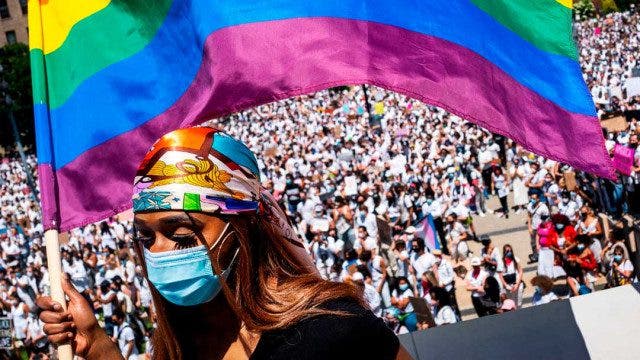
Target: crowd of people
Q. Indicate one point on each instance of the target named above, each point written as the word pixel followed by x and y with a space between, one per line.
pixel 357 169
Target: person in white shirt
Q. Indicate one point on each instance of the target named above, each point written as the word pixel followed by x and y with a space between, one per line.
pixel 36 336
pixel 446 278
pixel 538 213
pixel 124 336
pixel 456 236
pixel 620 267
pixel 364 240
pixel 421 260
pixel 400 300
pixel 368 220
pixel 542 293
pixel 371 296
pixel 568 207
pixel 475 284
pixel 442 307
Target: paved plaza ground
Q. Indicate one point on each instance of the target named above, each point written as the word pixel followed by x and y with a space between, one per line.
pixel 502 231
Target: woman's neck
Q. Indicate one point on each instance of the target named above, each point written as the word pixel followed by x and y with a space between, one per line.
pixel 213 331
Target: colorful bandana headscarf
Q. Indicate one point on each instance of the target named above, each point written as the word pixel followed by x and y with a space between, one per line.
pixel 198 169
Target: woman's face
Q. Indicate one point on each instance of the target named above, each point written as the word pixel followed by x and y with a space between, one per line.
pixel 170 230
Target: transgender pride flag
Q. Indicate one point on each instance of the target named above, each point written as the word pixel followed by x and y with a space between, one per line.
pixel 110 77
pixel 426 230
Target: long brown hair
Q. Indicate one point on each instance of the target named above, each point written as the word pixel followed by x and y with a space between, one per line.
pixel 270 287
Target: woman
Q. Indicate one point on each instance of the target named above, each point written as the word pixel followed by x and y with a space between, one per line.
pixel 491 300
pixel 457 237
pixel 511 277
pixel 621 268
pixel 442 307
pixel 564 240
pixel 546 237
pixel 518 174
pixel 587 261
pixel 400 302
pixel 542 293
pixel 229 278
pixel 590 225
pixel 501 185
pixel 475 280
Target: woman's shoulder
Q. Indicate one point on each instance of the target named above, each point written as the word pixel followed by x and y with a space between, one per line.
pixel 359 333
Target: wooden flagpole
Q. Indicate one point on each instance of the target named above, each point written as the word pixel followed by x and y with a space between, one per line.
pixel 54 263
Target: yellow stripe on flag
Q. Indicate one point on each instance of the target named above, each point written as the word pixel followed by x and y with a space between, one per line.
pixel 567 3
pixel 58 16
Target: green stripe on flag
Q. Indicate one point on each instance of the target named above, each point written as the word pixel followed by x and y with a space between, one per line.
pixel 38 77
pixel 544 23
pixel 111 35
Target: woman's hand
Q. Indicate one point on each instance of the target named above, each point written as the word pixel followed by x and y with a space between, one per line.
pixel 76 325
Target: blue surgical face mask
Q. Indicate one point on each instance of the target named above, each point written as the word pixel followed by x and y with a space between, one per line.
pixel 617 258
pixel 403 287
pixel 185 277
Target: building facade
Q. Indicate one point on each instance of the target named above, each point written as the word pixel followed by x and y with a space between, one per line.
pixel 13 22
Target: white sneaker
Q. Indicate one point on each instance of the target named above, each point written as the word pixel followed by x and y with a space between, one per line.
pixel 481 214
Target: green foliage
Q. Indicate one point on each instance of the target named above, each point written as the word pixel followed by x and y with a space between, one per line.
pixel 17 74
pixel 608 6
pixel 584 8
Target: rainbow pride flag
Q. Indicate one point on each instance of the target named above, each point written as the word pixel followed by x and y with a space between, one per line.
pixel 110 77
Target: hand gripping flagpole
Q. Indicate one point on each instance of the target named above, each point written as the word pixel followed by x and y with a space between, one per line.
pixel 48 191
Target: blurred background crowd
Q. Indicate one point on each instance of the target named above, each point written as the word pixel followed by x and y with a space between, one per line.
pixel 364 175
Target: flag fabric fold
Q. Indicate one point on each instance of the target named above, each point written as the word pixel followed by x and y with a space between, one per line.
pixel 110 77
pixel 426 230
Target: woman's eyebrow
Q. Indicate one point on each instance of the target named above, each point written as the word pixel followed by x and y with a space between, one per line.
pixel 181 219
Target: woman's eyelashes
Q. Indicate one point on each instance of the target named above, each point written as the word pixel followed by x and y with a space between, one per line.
pixel 184 240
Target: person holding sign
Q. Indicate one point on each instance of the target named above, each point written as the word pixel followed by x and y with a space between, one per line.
pixel 229 278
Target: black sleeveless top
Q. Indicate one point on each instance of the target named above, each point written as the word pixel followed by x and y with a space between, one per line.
pixel 360 336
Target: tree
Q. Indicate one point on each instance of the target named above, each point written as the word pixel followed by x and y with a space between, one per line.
pixel 16 72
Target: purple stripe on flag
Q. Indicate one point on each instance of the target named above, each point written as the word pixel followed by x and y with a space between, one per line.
pixel 256 63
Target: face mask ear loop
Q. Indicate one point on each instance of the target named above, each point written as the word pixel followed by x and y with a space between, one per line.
pixel 224 235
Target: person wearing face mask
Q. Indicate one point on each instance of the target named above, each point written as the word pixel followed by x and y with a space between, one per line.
pixel 403 308
pixel 620 267
pixel 463 215
pixel 228 276
pixel 421 260
pixel 568 207
pixel 446 278
pixel 457 237
pixel 563 241
pixel 546 238
pixel 366 219
pixel 435 208
pixel 590 225
pixel 586 259
pixel 511 278
pixel 538 211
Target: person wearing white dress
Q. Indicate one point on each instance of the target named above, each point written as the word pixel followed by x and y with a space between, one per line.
pixel 518 174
